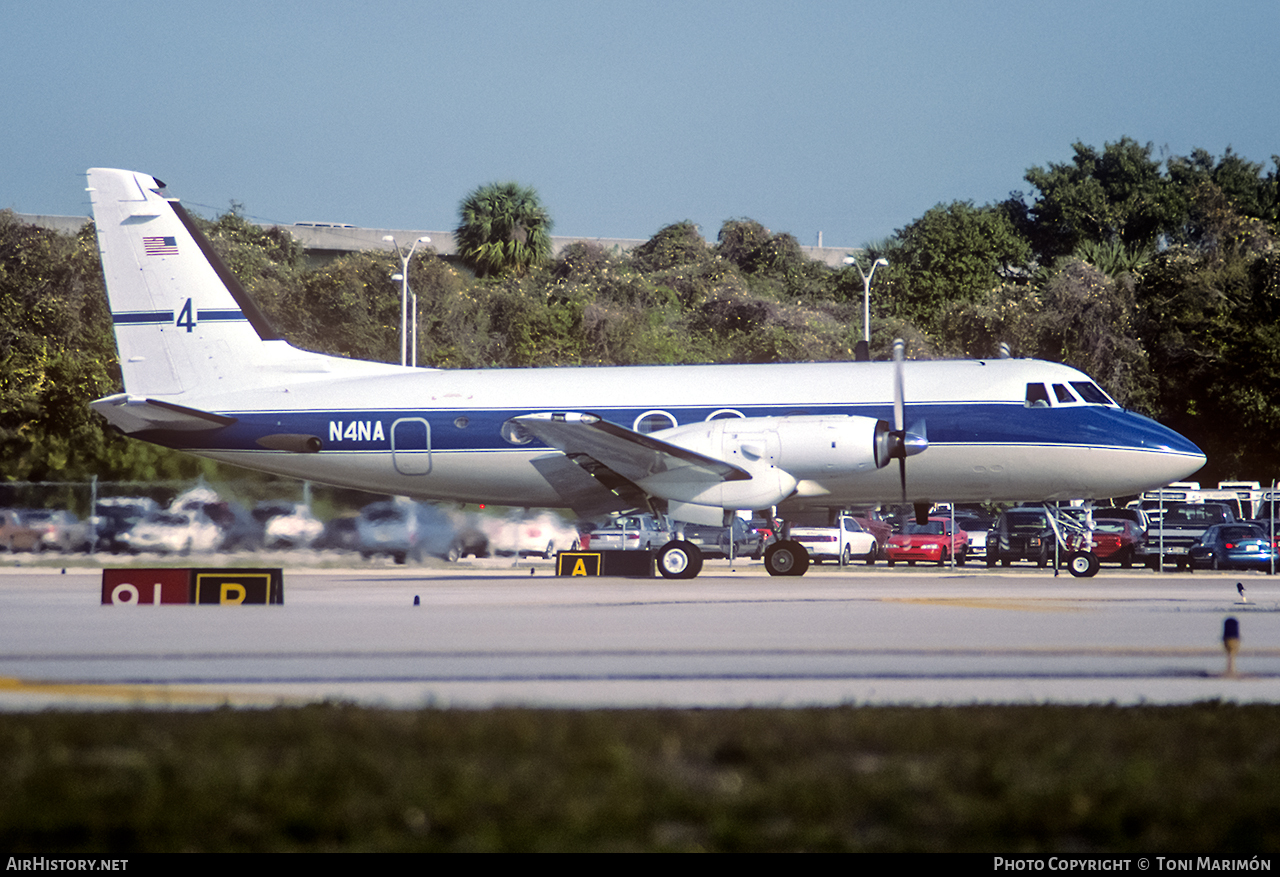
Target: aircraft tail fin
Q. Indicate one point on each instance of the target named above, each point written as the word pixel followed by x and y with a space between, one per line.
pixel 181 318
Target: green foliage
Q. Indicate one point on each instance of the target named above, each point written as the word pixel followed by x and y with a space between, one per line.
pixel 1119 193
pixel 954 253
pixel 673 245
pixel 1186 781
pixel 503 227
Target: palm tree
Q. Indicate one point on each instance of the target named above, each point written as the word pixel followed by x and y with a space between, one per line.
pixel 503 227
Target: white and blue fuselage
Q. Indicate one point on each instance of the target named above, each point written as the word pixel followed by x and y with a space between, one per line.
pixel 204 373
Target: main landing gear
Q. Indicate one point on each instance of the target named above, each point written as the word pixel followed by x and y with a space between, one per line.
pixel 786 558
pixel 679 559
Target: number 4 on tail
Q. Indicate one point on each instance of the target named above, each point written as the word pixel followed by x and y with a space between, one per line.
pixel 187 318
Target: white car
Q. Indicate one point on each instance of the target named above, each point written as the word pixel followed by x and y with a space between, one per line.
pixel 845 542
pixel 542 534
pixel 180 532
pixel 288 525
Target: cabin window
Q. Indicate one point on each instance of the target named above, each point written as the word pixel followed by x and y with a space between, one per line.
pixel 1037 396
pixel 725 414
pixel 652 421
pixel 1063 394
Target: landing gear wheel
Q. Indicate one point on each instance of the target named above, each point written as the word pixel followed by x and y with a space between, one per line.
pixel 679 560
pixel 1083 564
pixel 786 558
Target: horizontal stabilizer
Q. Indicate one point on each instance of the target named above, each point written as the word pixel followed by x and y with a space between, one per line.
pixel 632 455
pixel 132 414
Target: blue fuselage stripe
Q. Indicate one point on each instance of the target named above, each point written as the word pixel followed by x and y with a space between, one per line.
pixel 951 423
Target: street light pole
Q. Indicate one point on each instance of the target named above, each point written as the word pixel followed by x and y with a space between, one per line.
pixel 403 277
pixel 866 293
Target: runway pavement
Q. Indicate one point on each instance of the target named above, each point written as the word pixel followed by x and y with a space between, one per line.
pixel 490 633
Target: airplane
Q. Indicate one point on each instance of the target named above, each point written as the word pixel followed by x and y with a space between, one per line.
pixel 204 372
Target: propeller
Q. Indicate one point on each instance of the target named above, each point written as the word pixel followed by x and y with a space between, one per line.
pixel 903 443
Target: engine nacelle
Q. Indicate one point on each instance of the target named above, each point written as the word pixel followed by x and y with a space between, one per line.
pixel 804 445
pixel 777 453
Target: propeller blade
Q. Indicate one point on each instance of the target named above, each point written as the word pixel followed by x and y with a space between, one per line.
pixel 899 350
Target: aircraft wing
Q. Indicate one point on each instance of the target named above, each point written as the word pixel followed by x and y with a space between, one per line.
pixel 132 414
pixel 630 454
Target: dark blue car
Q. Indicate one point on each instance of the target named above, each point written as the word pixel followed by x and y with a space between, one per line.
pixel 1233 546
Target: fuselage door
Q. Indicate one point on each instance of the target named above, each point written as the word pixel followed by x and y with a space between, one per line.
pixel 411 446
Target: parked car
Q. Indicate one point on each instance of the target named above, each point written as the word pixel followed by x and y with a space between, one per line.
pixel 628 532
pixel 931 542
pixel 844 540
pixel 1116 540
pixel 239 530
pixel 177 532
pixel 1021 533
pixel 407 530
pixel 541 534
pixel 340 534
pixel 17 536
pixel 287 524
pixel 1182 526
pixel 714 541
pixel 1233 546
pixel 59 530
pixel 875 523
pixel 116 515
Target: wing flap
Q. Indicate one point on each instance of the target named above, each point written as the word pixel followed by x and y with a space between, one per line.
pixel 632 455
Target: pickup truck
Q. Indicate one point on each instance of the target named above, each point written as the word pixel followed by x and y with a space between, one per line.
pixel 1181 527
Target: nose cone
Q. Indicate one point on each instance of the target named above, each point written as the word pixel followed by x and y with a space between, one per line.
pixel 1167 456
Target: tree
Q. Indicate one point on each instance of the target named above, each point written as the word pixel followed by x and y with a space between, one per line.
pixel 503 227
pixel 955 252
pixel 1117 194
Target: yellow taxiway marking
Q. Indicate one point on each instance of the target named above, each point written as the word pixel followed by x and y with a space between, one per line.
pixel 1029 604
pixel 135 692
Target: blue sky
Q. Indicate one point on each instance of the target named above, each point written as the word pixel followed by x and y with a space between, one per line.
pixel 849 118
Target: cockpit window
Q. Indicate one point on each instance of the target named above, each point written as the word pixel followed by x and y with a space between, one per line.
pixel 1091 393
pixel 1063 394
pixel 1037 396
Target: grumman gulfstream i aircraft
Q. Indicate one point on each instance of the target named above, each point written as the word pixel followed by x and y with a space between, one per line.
pixel 204 372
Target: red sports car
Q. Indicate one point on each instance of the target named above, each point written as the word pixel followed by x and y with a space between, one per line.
pixel 931 542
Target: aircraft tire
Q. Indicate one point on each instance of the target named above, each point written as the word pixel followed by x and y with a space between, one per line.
pixel 1083 564
pixel 786 558
pixel 679 560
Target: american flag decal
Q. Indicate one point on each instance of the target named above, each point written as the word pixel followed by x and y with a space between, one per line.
pixel 160 246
